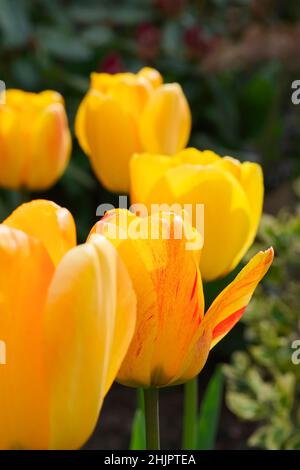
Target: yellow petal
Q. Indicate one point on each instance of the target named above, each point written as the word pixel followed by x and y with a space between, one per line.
pixel 53 225
pixel 170 307
pixel 14 147
pixel 82 337
pixel 51 148
pixel 229 306
pixel 101 81
pixel 113 138
pixel 196 157
pixel 132 94
pixel 152 75
pixel 253 185
pixel 166 121
pixel 250 177
pixel 25 274
pixel 227 218
pixel 145 171
pixel 80 125
pixel 35 140
pixel 125 309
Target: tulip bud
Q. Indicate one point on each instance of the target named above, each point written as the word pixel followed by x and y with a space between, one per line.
pixel 127 113
pixel 173 337
pixel 230 192
pixel 35 141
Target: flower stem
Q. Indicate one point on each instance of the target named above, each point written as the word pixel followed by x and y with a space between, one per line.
pixel 190 415
pixel 152 418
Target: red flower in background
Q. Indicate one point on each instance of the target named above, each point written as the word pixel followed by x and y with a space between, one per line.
pixel 171 7
pixel 197 43
pixel 112 63
pixel 148 41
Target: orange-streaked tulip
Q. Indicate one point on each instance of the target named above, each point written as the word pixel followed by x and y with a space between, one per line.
pixel 126 113
pixel 173 336
pixel 67 316
pixel 231 193
pixel 35 141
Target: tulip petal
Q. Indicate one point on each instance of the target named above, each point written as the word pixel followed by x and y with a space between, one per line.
pixel 227 218
pixel 80 125
pixel 132 94
pixel 142 165
pixel 25 274
pixel 51 148
pixel 152 75
pixel 253 185
pixel 231 303
pixel 53 225
pixel 82 337
pixel 14 147
pixel 250 177
pixel 196 157
pixel 170 307
pixel 166 121
pixel 112 136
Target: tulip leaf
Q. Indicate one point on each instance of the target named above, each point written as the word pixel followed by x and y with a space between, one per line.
pixel 138 437
pixel 210 412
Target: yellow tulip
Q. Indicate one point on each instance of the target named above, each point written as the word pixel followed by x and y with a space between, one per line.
pixel 173 336
pixel 126 113
pixel 231 193
pixel 67 316
pixel 35 141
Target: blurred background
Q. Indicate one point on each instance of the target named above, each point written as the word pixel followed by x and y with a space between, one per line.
pixel 236 61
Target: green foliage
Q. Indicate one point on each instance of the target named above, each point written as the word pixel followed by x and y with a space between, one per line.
pixel 263 382
pixel 210 412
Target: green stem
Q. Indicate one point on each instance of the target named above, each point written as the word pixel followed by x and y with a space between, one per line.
pixel 190 414
pixel 152 418
pixel 140 399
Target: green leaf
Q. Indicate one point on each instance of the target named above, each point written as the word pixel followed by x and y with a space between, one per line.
pixel 245 406
pixel 210 412
pixel 64 45
pixel 138 437
pixel 14 22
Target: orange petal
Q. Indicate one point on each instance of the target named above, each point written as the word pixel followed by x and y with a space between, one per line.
pixel 231 303
pixel 170 306
pixel 88 330
pixel 25 274
pixel 53 225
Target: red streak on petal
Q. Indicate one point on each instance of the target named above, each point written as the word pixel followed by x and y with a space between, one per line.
pixel 194 286
pixel 228 323
pixel 196 310
pixel 107 215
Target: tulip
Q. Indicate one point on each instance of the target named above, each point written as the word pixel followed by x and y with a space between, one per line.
pixel 231 193
pixel 126 113
pixel 67 316
pixel 172 336
pixel 35 141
